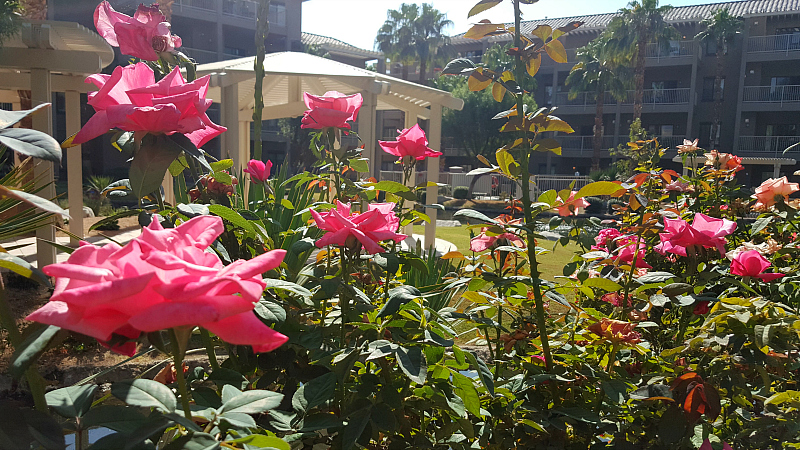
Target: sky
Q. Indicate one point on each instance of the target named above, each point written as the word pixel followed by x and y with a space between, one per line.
pixel 357 21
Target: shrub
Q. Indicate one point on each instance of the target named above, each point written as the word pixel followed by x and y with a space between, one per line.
pixel 461 193
pixel 596 205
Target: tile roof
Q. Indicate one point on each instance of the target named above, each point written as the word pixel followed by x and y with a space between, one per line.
pixel 336 46
pixel 677 14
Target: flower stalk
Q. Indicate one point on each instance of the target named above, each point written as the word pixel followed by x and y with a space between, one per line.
pixel 177 356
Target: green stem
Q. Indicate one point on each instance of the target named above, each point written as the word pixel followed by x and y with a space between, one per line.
pixel 177 356
pixel 541 321
pixel 209 345
pixel 262 30
pixel 8 322
pixel 612 358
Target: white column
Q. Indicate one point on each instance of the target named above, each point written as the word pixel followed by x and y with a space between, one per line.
pixel 366 130
pixel 169 189
pixel 229 106
pixel 74 166
pixel 776 170
pixel 244 154
pixel 41 92
pixel 432 192
pixel 410 121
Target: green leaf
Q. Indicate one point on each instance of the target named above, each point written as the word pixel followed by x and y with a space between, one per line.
pixel 465 389
pixel 183 143
pixel 31 143
pixel 262 441
pixel 459 66
pixel 615 390
pixel 33 199
pixel 484 373
pixel 178 166
pixel 473 215
pixel 655 277
pixel 764 334
pixel 19 428
pixel 784 397
pixel 360 164
pixel 321 421
pixel 314 393
pixel 603 283
pixel 150 164
pixel 274 283
pixel 221 165
pixel 9 118
pixel 31 348
pixel 397 297
pixel 760 224
pixel 223 376
pixel 391 187
pixel 356 423
pixel 124 419
pixel 24 268
pixel 231 216
pixel 73 401
pixel 548 197
pixel 412 362
pixel 252 402
pixel 270 311
pixel 194 441
pixel 505 160
pixel 598 188
pixel 145 393
pixel 482 6
pixel 192 210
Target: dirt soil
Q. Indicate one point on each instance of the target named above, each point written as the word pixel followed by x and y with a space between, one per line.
pixel 125 224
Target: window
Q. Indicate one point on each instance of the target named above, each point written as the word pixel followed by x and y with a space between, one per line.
pixel 548 94
pixel 277 14
pixel 6 106
pixel 705 136
pixel 708 89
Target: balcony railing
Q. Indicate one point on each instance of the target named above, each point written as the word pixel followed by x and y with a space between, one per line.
pixel 207 5
pixel 772 94
pixel 583 144
pixel 780 43
pixel 240 8
pixel 768 145
pixel 651 97
pixel 676 49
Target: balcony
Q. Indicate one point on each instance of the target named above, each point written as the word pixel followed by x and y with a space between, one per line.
pixel 768 98
pixel 660 100
pixel 240 9
pixel 767 146
pixel 676 52
pixel 583 145
pixel 206 5
pixel 765 48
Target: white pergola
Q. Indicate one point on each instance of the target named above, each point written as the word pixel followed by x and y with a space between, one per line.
pixel 46 57
pixel 289 74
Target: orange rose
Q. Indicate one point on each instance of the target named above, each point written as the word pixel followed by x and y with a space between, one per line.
pixel 772 188
pixel 616 331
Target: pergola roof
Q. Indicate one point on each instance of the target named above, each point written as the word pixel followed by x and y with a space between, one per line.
pixel 289 74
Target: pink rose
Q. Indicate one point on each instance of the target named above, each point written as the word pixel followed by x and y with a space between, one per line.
pixel 379 223
pixel 483 241
pixel 724 161
pixel 773 187
pixel 131 100
pixel 258 170
pixel 333 109
pixel 162 279
pixel 704 231
pixel 688 146
pixel 752 264
pixel 570 207
pixel 143 36
pixel 411 142
pixel 678 186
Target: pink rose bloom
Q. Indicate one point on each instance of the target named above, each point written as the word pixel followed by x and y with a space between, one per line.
pixel 688 146
pixel 162 279
pixel 752 264
pixel 570 207
pixel 379 223
pixel 605 238
pixel 129 99
pixel 410 142
pixel 258 170
pixel 143 36
pixel 612 241
pixel 723 161
pixel 333 109
pixel 773 187
pixel 704 231
pixel 483 241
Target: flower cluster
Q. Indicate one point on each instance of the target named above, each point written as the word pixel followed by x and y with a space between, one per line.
pixel 705 231
pixel 163 279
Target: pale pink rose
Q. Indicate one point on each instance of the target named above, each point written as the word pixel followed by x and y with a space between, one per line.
pixel 258 170
pixel 624 247
pixel 705 231
pixel 688 146
pixel 752 264
pixel 484 241
pixel 410 142
pixel 143 36
pixel 678 186
pixel 570 207
pixel 162 279
pixel 773 187
pixel 333 109
pixel 378 224
pixel 129 99
pixel 723 161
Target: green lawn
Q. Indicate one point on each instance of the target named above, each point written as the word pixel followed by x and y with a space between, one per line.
pixel 552 263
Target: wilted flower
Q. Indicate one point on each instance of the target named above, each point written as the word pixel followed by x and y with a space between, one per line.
pixel 701 308
pixel 616 299
pixel 678 186
pixel 616 331
pixel 772 188
pixel 571 206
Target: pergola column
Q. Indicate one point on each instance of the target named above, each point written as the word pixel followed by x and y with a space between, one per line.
pixel 41 92
pixel 244 154
pixel 432 192
pixel 776 172
pixel 74 166
pixel 366 130
pixel 229 116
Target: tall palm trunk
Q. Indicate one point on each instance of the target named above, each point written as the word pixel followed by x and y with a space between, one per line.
pixel 638 97
pixel 423 68
pixel 597 141
pixel 715 131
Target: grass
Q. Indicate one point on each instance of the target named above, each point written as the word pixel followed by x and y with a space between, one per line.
pixel 551 264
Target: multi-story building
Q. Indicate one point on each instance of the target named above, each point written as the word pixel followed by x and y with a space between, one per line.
pixel 761 88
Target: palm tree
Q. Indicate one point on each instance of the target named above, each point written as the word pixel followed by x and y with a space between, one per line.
pixel 429 36
pixel 599 69
pixel 720 29
pixel 641 23
pixel 396 36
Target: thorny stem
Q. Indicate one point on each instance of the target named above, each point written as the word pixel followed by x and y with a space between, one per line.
pixel 209 345
pixel 541 321
pixel 177 355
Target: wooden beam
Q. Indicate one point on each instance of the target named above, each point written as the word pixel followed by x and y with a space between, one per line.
pixel 66 61
pixel 432 192
pixel 74 166
pixel 60 83
pixel 292 109
pixel 41 92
